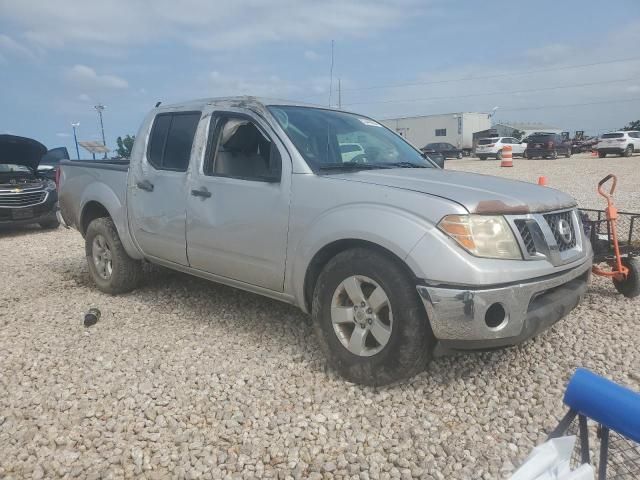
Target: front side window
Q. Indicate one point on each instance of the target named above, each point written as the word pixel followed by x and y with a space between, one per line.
pixel 240 149
pixel 171 140
pixel 441 132
pixel 322 136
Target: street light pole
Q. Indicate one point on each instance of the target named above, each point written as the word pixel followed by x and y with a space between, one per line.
pixel 75 137
pixel 100 109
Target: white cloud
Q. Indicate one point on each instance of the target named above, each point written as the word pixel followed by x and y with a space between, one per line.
pixel 311 55
pixel 199 23
pixel 83 97
pixel 10 47
pixel 86 77
pixel 63 135
pixel 222 85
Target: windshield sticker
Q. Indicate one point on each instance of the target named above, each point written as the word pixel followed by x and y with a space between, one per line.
pixel 369 123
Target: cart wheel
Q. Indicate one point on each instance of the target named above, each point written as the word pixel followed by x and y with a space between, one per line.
pixel 631 286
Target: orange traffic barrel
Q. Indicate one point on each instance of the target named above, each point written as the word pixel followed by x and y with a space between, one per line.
pixel 507 156
pixel 542 180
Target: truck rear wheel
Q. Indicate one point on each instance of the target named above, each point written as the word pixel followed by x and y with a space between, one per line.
pixel 369 320
pixel 111 268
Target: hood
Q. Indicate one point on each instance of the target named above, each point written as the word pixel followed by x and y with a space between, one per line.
pixel 21 151
pixel 483 194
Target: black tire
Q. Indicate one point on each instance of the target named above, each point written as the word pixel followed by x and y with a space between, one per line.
pixel 49 224
pixel 459 156
pixel 126 272
pixel 630 287
pixel 525 155
pixel 554 155
pixel 499 155
pixel 482 157
pixel 601 154
pixel 628 151
pixel 411 341
pixel 568 154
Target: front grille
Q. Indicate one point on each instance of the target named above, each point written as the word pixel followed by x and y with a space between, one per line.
pixel 21 199
pixel 561 225
pixel 527 238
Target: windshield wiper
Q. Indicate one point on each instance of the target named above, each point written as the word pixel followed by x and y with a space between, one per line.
pixel 352 166
pixel 405 165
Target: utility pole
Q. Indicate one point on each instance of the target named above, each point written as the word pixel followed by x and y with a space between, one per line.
pixel 339 94
pixel 75 137
pixel 331 75
pixel 100 109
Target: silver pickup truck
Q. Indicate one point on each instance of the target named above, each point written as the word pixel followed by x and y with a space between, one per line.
pixel 395 258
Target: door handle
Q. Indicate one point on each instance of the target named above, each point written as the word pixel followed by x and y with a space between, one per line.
pixel 145 185
pixel 204 193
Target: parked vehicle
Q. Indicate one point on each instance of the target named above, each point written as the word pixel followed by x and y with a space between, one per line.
pixel 395 258
pixel 433 155
pixel 26 195
pixel 492 147
pixel 50 161
pixel 547 145
pixel 620 143
pixel 446 149
pixel 351 152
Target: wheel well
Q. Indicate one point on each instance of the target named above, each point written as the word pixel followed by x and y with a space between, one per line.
pixel 326 253
pixel 91 211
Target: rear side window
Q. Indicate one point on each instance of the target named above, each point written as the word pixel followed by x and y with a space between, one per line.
pixel 171 140
pixel 613 135
pixel 487 141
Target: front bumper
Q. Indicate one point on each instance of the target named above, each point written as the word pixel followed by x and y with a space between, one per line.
pixel 39 212
pixel 461 318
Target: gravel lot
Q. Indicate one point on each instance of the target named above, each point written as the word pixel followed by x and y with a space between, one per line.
pixel 188 379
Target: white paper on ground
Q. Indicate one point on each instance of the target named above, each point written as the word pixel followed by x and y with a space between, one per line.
pixel 550 461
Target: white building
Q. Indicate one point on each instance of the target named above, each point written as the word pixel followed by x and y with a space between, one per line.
pixel 454 128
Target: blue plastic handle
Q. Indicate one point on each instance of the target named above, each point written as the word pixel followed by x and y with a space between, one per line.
pixel 606 402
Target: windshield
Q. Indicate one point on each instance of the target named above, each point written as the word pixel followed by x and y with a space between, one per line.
pixel 11 168
pixel 613 135
pixel 487 141
pixel 328 139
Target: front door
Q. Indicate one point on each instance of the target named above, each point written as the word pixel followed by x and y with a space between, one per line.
pixel 238 203
pixel 157 189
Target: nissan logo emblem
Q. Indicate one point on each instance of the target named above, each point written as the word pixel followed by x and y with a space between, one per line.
pixel 564 230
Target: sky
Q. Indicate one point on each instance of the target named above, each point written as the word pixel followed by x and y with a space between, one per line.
pixel 570 64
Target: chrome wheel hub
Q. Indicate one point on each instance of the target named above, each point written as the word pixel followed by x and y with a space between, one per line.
pixel 361 315
pixel 102 258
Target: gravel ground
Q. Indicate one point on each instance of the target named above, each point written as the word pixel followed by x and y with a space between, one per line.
pixel 186 379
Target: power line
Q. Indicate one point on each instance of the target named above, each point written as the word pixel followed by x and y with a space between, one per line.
pixel 540 107
pixel 501 92
pixel 485 77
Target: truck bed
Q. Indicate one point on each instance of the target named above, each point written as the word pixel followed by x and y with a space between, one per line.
pixel 87 178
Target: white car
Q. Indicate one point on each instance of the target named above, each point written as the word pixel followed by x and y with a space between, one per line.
pixel 350 151
pixel 492 147
pixel 621 143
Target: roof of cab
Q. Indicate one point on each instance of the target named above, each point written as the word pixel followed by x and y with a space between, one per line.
pixel 254 103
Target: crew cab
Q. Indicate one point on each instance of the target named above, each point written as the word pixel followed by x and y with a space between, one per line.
pixel 395 258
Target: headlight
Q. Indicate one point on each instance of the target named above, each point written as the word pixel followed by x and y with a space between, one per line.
pixel 50 185
pixel 482 235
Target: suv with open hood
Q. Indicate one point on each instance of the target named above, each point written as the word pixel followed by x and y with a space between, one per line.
pixel 26 195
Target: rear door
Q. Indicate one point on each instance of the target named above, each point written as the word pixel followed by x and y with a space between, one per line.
pixel 238 202
pixel 158 187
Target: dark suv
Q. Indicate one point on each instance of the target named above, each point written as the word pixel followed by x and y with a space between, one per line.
pixel 547 145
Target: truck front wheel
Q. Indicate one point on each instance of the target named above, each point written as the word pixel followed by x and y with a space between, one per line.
pixel 112 270
pixel 369 320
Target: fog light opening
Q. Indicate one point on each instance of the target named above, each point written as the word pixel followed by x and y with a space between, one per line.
pixel 495 317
